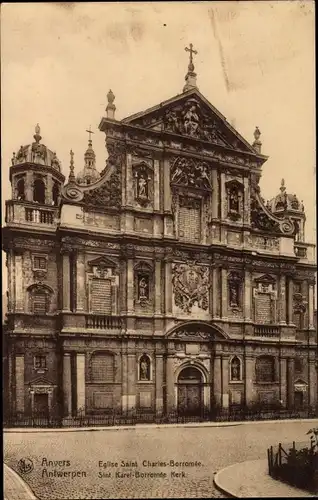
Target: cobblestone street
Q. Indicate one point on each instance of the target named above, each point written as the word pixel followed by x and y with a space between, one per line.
pixel 78 454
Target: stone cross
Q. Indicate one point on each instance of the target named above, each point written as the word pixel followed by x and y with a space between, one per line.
pixel 192 51
pixel 90 133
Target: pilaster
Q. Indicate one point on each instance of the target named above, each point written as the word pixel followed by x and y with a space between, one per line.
pixel 215 293
pixel 66 277
pixel 158 287
pixel 223 197
pixel 170 392
pixel 215 195
pixel 129 181
pixel 48 190
pixel 80 278
pixel 19 285
pixel 130 286
pixel 168 287
pixel 29 186
pixel 290 382
pixel 131 381
pixel 166 186
pixel 67 384
pixel 311 307
pixel 224 299
pixel 247 296
pixel 283 381
pixel 156 185
pixel 217 384
pixel 282 300
pixel 19 383
pixel 249 379
pixel 290 300
pixel 80 382
pixel 159 382
pixel 225 382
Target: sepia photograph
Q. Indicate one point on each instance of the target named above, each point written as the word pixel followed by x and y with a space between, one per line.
pixel 159 314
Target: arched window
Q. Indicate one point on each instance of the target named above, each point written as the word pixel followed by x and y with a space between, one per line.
pixel 55 193
pixel 265 369
pixel 102 367
pixel 20 189
pixel 39 299
pixel 39 191
pixel 235 369
pixel 145 368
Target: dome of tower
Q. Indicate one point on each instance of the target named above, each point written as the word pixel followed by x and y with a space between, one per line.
pixel 36 153
pixel 285 202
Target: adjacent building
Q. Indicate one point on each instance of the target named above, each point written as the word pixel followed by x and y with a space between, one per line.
pixel 162 282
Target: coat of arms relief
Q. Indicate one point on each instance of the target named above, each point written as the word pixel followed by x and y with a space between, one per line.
pixel 190 286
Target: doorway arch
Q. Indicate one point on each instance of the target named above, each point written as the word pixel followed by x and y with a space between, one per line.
pixel 190 386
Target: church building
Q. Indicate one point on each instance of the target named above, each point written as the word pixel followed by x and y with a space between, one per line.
pixel 162 282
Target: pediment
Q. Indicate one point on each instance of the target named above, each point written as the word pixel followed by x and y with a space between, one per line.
pixel 41 381
pixel 266 278
pixel 102 262
pixel 191 115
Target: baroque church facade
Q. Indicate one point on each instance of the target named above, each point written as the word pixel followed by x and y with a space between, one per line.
pixel 164 281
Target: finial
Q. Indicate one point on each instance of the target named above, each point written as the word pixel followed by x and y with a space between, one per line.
pixel 71 177
pixel 111 108
pixel 257 145
pixel 282 186
pixel 13 158
pixel 37 136
pixel 191 76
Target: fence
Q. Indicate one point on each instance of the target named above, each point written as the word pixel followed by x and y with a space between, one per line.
pixel 133 417
pixel 295 464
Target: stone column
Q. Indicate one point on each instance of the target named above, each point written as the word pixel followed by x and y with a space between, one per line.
pixel 29 186
pixel 156 204
pixel 311 307
pixel 282 300
pixel 80 381
pixel 67 384
pixel 170 385
pixel 80 278
pixel 11 281
pixel 224 293
pixel 290 300
pixel 159 382
pixel 223 197
pixel 290 382
pixel 215 194
pixel 249 379
pixel 247 211
pixel 158 287
pixel 66 277
pixel 129 181
pixel 225 382
pixel 19 383
pixel 131 381
pixel 48 189
pixel 166 186
pixel 130 286
pixel 217 374
pixel 19 285
pixel 247 296
pixel 124 381
pixel 168 287
pixel 215 293
pixel 283 381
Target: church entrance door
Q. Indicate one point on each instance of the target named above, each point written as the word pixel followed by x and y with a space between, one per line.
pixel 190 388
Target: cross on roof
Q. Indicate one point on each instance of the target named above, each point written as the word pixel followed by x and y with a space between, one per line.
pixel 90 133
pixel 192 51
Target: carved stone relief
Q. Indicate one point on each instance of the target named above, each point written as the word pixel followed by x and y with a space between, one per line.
pixel 190 286
pixel 188 172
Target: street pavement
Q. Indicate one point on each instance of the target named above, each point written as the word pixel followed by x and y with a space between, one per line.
pixel 169 462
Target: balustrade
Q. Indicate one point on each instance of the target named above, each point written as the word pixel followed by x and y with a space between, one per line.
pixel 300 252
pixel 103 322
pixel 266 331
pixel 40 216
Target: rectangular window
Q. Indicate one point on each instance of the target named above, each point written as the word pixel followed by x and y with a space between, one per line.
pixel 190 220
pixel 101 298
pixel 39 262
pixel 39 362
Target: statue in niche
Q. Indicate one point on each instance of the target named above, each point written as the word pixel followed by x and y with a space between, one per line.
pixel 234 295
pixel 235 369
pixel 191 121
pixel 234 200
pixel 143 288
pixel 144 368
pixel 142 189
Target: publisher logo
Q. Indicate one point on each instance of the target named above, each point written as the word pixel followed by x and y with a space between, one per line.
pixel 25 465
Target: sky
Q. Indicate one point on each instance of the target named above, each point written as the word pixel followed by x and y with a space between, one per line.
pixel 255 64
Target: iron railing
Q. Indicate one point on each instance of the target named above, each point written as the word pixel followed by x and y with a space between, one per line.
pixel 136 416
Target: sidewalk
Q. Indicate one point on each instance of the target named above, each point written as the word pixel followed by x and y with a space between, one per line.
pixel 14 486
pixel 251 479
pixel 155 426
